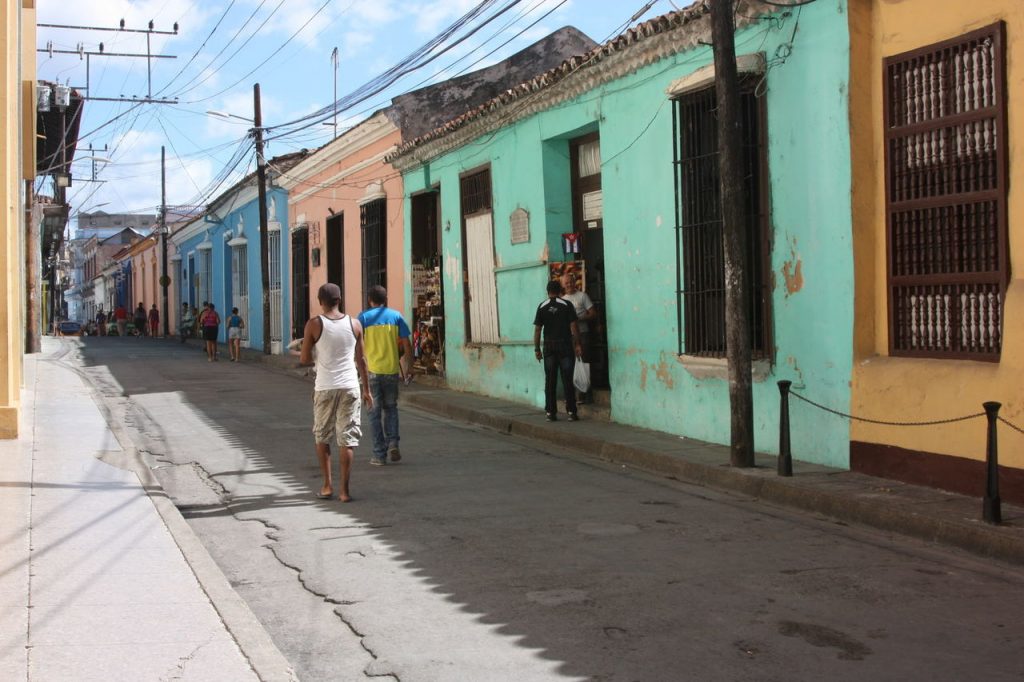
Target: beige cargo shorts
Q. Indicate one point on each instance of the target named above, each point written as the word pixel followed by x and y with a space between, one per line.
pixel 336 413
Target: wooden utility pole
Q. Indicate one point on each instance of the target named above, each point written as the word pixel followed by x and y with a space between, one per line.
pixel 165 279
pixel 735 238
pixel 261 182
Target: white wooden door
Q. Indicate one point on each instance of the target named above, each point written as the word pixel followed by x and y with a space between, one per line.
pixel 483 295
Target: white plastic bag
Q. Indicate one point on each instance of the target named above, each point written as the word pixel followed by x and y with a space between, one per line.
pixel 581 376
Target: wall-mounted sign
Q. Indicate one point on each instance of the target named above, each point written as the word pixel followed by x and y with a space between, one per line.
pixel 520 226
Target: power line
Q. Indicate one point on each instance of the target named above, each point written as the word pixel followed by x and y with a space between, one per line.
pixel 199 49
pixel 193 84
pixel 414 62
pixel 269 57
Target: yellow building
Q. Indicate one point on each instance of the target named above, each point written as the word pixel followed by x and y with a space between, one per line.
pixel 937 110
pixel 17 170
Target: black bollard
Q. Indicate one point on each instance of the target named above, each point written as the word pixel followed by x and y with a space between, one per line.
pixel 785 455
pixel 991 510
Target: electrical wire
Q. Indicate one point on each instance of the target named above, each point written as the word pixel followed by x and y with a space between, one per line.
pixel 184 169
pixel 636 16
pixel 200 48
pixel 193 84
pixel 269 57
pixel 381 103
pixel 418 59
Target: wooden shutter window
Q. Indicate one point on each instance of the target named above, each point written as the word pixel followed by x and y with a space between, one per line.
pixel 946 182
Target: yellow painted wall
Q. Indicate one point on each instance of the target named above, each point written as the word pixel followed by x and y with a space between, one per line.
pixel 14 17
pixel 924 389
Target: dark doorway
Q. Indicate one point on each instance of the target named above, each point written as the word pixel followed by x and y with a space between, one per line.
pixel 300 281
pixel 336 251
pixel 588 223
pixel 427 284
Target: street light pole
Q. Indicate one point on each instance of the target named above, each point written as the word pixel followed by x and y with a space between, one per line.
pixel 261 182
pixel 165 279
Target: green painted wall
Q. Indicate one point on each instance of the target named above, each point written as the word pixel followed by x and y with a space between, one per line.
pixel 809 165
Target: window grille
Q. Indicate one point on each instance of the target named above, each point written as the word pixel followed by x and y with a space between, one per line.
pixel 476 193
pixel 373 223
pixel 240 284
pixel 274 253
pixel 205 274
pixel 700 259
pixel 946 178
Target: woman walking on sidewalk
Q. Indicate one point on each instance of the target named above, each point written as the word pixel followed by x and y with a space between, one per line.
pixel 210 321
pixel 235 326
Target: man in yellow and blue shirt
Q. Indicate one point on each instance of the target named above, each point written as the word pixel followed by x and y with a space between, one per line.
pixel 388 358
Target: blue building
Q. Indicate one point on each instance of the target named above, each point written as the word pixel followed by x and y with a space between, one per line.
pixel 218 257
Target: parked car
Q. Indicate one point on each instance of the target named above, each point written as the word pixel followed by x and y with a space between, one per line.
pixel 69 328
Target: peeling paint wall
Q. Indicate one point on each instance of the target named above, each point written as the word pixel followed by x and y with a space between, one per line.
pixel 812 306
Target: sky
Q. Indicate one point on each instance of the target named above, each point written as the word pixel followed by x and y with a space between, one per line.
pixel 223 47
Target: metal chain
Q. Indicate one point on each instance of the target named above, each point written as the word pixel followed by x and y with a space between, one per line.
pixel 888 423
pixel 1012 425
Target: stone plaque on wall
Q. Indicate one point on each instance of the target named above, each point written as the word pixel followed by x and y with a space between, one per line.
pixel 520 224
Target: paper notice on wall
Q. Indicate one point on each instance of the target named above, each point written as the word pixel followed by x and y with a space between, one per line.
pixel 593 207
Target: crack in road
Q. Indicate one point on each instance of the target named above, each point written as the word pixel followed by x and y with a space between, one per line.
pixel 337 612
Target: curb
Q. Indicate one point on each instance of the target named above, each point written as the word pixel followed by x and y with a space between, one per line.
pixel 998 542
pixel 253 640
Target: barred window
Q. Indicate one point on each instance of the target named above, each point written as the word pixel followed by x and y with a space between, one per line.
pixel 205 280
pixel 946 181
pixel 372 220
pixel 700 259
pixel 240 283
pixel 274 258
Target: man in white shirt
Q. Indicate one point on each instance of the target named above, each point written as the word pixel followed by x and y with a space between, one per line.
pixel 341 385
pixel 585 313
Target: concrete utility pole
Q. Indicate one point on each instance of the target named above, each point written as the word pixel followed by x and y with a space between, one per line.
pixel 261 182
pixel 737 288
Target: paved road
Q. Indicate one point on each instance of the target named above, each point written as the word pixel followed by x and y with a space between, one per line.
pixel 484 557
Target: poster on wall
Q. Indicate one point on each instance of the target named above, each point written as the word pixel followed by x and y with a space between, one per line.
pixel 574 268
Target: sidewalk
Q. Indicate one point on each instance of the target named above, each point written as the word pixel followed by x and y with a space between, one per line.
pixel 100 576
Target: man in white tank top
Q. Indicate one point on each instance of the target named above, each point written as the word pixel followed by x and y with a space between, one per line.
pixel 341 385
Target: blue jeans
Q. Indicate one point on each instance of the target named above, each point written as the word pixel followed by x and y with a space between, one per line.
pixel 559 361
pixel 384 390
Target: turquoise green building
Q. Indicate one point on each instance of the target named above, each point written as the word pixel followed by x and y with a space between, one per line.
pixel 610 161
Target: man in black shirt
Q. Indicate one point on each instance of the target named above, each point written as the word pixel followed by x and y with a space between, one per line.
pixel 557 317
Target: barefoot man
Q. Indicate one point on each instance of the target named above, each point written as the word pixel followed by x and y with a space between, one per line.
pixel 340 378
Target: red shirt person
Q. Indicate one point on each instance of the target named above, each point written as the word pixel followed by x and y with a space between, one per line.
pixel 154 321
pixel 121 318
